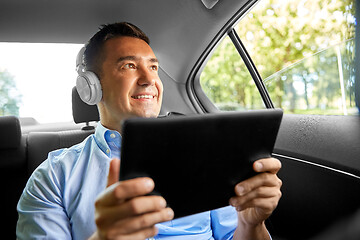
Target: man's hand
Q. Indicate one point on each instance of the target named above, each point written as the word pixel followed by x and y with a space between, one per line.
pixel 256 198
pixel 123 212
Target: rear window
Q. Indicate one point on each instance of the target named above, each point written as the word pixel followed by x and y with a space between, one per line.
pixel 36 80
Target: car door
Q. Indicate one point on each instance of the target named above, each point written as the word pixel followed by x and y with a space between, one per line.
pixel 292 55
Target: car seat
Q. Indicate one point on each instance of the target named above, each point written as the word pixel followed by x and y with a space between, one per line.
pixel 82 112
pixel 41 143
pixel 13 171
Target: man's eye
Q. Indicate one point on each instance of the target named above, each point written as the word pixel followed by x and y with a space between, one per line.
pixel 129 66
pixel 154 67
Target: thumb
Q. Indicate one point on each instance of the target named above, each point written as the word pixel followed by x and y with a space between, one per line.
pixel 114 170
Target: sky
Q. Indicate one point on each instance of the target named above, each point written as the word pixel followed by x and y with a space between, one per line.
pixel 44 76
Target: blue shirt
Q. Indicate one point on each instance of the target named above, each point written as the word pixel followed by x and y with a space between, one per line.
pixel 58 200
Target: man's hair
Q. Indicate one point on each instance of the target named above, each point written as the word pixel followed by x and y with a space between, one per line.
pixel 94 54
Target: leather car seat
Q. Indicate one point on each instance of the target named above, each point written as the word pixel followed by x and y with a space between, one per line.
pixel 41 143
pixel 13 171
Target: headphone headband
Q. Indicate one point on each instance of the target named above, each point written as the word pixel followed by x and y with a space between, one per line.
pixel 80 65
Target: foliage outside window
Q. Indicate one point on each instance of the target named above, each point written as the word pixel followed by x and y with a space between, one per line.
pixel 10 99
pixel 304 51
pixel 227 82
pixel 34 88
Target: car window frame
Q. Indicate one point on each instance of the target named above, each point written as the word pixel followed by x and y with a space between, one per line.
pixel 201 101
pixel 198 98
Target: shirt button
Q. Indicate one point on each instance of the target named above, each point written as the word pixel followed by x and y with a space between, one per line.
pixel 113 135
pixel 151 238
pixel 107 151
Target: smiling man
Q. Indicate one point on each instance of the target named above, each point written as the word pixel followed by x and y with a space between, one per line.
pixel 130 81
pixel 75 193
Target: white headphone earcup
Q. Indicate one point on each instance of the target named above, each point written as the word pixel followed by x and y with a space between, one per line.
pixel 89 88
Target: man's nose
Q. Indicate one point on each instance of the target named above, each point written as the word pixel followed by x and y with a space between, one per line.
pixel 147 77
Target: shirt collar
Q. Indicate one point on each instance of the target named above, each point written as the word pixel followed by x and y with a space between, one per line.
pixel 109 141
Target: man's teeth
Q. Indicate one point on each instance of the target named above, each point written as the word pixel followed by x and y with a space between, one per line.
pixel 143 96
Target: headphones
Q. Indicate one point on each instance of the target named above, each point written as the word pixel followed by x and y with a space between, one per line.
pixel 87 83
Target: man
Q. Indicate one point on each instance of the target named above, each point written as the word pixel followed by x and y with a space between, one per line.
pixel 75 193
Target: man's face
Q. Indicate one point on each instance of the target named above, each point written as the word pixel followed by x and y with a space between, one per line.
pixel 130 82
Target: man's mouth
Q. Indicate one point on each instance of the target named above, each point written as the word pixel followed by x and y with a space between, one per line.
pixel 143 96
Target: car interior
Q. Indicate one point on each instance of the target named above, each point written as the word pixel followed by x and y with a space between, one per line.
pixel 319 154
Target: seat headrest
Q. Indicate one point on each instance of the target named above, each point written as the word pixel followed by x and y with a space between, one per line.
pixel 10 132
pixel 82 112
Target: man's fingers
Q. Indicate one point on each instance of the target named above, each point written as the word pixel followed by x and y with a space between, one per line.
pixel 134 207
pixel 132 225
pixel 123 210
pixel 134 187
pixel 121 191
pixel 267 168
pixel 131 208
pixel 114 170
pixel 255 198
pixel 271 165
pixel 140 205
pixel 261 193
pixel 262 179
pixel 266 205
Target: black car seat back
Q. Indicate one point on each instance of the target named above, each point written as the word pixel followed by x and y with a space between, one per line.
pixel 12 171
pixel 41 143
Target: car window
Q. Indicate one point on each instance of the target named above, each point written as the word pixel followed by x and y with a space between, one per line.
pixel 226 81
pixel 303 50
pixel 36 80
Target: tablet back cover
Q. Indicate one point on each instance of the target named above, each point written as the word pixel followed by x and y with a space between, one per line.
pixel 196 161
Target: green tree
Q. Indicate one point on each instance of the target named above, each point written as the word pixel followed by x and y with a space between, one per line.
pixel 226 80
pixel 10 99
pixel 277 35
pixel 292 30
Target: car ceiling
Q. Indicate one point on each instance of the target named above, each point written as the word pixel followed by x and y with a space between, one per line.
pixel 179 31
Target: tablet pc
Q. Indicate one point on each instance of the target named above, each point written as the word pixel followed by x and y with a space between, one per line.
pixel 196 161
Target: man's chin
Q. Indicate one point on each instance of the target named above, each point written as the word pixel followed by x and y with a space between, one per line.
pixel 148 114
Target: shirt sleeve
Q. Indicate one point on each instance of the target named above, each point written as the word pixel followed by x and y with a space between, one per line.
pixel 40 208
pixel 223 222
